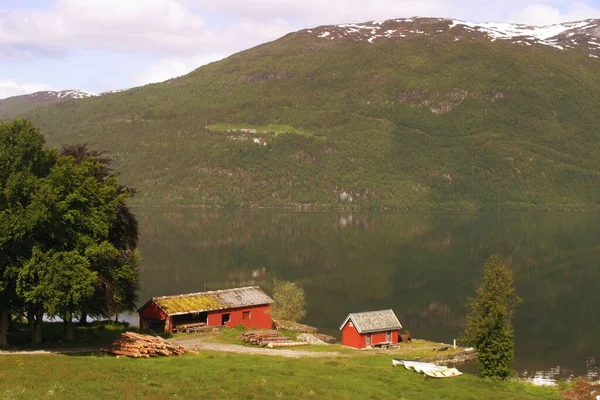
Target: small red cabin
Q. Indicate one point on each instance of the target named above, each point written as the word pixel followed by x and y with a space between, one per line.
pixel 249 306
pixel 367 329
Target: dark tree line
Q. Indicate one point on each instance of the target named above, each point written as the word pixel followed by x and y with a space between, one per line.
pixel 67 237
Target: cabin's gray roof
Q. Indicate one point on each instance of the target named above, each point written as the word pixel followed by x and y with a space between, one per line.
pixel 373 321
pixel 210 301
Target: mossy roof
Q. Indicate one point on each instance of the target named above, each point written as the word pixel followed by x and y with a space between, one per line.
pixel 213 300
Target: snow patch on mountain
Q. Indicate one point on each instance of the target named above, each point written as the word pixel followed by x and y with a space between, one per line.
pixel 560 36
pixel 62 95
pixel 557 35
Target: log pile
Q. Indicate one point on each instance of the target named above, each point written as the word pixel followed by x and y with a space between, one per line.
pixel 193 328
pixel 269 339
pixel 134 345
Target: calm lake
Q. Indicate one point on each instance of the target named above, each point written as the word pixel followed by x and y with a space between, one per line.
pixel 422 265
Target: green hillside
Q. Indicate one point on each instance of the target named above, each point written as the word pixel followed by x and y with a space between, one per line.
pixel 438 117
pixel 17 105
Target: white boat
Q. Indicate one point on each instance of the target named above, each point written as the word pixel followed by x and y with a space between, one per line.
pixel 397 361
pixel 429 369
pixel 441 373
pixel 415 365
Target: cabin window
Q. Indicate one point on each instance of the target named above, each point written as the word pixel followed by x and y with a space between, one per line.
pixel 246 315
pixel 388 336
pixel 225 318
pixel 350 324
pixel 368 339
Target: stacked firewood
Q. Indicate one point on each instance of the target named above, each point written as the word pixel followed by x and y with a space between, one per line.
pixel 132 344
pixel 269 339
pixel 193 328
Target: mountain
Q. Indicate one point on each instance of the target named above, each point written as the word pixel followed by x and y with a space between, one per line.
pixel 418 113
pixel 20 104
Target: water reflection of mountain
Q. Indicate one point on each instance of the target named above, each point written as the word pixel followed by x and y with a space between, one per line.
pixel 422 265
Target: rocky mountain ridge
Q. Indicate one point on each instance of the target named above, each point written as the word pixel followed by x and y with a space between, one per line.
pixel 561 36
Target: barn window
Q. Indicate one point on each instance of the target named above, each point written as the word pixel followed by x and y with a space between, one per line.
pixel 246 315
pixel 351 325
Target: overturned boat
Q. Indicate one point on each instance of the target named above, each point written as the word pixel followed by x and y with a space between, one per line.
pixel 429 369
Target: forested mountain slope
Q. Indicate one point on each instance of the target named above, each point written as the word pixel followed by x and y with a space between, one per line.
pixel 410 113
pixel 19 104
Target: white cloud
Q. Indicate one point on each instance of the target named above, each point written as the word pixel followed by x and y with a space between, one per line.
pixel 313 12
pixel 9 88
pixel 547 14
pixel 166 29
pixel 140 25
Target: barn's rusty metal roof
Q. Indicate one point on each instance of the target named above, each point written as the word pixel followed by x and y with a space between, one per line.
pixel 374 321
pixel 210 301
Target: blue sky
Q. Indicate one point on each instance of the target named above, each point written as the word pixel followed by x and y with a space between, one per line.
pixel 101 45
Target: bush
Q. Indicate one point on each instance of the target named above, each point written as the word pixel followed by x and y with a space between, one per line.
pixel 290 304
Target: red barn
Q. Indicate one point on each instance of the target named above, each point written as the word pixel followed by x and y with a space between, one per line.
pixel 364 330
pixel 249 306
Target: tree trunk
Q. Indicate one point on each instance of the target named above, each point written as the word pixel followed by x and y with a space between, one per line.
pixel 4 322
pixel 30 318
pixel 83 319
pixel 36 333
pixel 69 332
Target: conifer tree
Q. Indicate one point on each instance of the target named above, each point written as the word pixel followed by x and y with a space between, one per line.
pixel 489 328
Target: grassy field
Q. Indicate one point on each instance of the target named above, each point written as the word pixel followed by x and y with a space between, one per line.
pixel 233 376
pixel 354 374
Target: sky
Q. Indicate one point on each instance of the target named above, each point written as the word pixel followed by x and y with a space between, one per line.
pixel 103 45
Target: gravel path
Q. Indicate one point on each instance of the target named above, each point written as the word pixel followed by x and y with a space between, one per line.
pixel 199 345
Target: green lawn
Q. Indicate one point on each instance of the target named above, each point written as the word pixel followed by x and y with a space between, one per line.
pixel 232 376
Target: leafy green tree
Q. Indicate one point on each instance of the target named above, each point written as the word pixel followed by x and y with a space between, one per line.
pixel 67 238
pixel 290 304
pixel 72 211
pixel 117 261
pixel 489 328
pixel 55 283
pixel 23 162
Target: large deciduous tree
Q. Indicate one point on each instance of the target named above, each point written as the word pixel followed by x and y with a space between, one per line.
pixel 23 162
pixel 489 328
pixel 67 238
pixel 116 262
